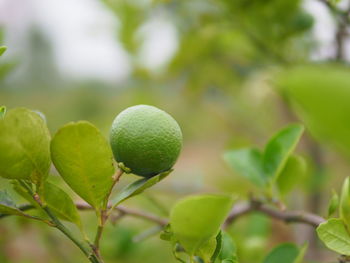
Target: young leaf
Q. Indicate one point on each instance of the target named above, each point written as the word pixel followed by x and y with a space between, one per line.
pixel 2 50
pixel 207 250
pixel 291 174
pixel 196 219
pixel 7 206
pixel 228 249
pixel 333 204
pixel 335 236
pixel 84 160
pixel 344 204
pixel 286 253
pixel 248 163
pixel 137 187
pixel 60 203
pixel 301 255
pixel 278 150
pixel 25 146
pixel 2 112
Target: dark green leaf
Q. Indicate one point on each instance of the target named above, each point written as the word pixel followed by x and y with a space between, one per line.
pixel 196 219
pixel 137 187
pixel 25 146
pixel 84 159
pixel 248 163
pixel 286 253
pixel 278 150
pixel 335 236
pixel 228 249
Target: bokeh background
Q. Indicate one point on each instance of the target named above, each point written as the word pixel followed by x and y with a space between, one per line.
pixel 230 72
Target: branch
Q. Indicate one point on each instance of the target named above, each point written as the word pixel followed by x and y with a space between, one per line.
pixel 242 209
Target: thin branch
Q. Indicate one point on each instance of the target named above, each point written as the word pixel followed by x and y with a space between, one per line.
pixel 242 209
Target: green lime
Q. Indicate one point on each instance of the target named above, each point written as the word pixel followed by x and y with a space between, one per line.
pixel 146 140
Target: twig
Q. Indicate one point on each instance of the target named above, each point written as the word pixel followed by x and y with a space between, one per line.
pixel 242 209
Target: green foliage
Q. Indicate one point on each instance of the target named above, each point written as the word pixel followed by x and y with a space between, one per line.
pixel 335 236
pixel 228 252
pixel 25 146
pixel 2 50
pixel 7 206
pixel 137 187
pixel 287 253
pixel 60 203
pixel 344 203
pixel 197 219
pixel 84 160
pixel 333 204
pixel 2 112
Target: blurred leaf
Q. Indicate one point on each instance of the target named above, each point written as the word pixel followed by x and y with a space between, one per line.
pixel 207 250
pixel 301 255
pixel 25 146
pixel 333 204
pixel 2 112
pixel 291 174
pixel 344 204
pixel 218 247
pixel 61 203
pixel 7 206
pixel 22 191
pixel 196 219
pixel 2 50
pixel 278 150
pixel 320 95
pixel 286 253
pixel 228 251
pixel 335 236
pixel 138 187
pixel 84 159
pixel 248 163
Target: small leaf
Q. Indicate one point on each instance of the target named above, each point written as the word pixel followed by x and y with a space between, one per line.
pixel 84 159
pixel 333 204
pixel 344 204
pixel 335 236
pixel 25 146
pixel 7 206
pixel 278 150
pixel 207 250
pixel 286 253
pixel 291 174
pixel 60 203
pixel 301 254
pixel 2 50
pixel 2 112
pixel 248 163
pixel 196 219
pixel 138 187
pixel 218 247
pixel 228 249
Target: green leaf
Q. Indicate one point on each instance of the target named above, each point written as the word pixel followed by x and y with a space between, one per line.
pixel 301 255
pixel 60 203
pixel 286 253
pixel 84 159
pixel 25 146
pixel 2 50
pixel 228 249
pixel 333 204
pixel 2 112
pixel 291 174
pixel 196 219
pixel 138 187
pixel 218 247
pixel 278 150
pixel 344 204
pixel 335 236
pixel 248 163
pixel 207 250
pixel 22 191
pixel 7 206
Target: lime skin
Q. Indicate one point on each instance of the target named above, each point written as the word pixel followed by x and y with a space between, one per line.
pixel 146 140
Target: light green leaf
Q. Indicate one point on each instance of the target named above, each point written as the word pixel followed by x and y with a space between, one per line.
pixel 301 255
pixel 84 159
pixel 333 204
pixel 248 163
pixel 137 187
pixel 2 50
pixel 25 146
pixel 291 174
pixel 207 250
pixel 7 206
pixel 2 112
pixel 196 219
pixel 60 203
pixel 278 150
pixel 335 236
pixel 286 253
pixel 228 249
pixel 344 204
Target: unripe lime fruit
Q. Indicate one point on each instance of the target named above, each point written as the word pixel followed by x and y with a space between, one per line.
pixel 146 140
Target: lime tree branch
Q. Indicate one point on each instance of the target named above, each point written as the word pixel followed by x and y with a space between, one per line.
pixel 245 208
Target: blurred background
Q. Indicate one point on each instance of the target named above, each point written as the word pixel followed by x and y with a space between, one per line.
pixel 230 72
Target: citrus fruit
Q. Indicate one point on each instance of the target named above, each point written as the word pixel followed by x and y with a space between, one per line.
pixel 146 140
